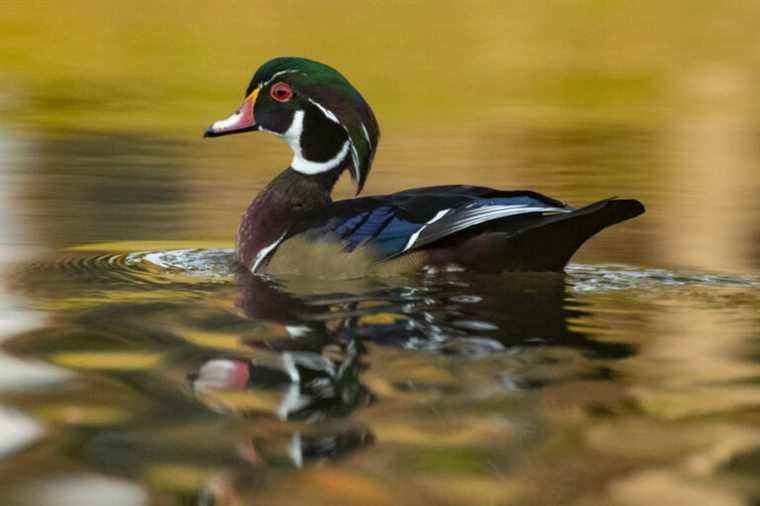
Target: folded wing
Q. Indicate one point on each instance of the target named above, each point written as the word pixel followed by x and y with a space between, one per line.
pixel 402 222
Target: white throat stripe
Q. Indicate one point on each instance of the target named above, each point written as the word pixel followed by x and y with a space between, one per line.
pixel 354 155
pixel 300 164
pixel 305 166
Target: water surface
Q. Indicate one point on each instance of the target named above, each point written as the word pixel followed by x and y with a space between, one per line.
pixel 194 383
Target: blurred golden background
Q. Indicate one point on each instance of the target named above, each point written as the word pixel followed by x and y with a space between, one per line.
pixel 167 67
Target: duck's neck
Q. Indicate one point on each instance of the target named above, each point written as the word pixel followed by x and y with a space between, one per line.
pixel 285 200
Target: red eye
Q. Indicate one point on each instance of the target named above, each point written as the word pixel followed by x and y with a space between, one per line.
pixel 281 92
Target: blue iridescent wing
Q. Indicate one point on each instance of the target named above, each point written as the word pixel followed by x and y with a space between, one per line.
pixel 401 222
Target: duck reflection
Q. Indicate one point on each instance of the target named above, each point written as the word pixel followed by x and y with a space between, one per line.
pixel 313 369
pixel 434 312
pixel 300 385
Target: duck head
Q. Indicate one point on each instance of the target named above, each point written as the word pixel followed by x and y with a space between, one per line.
pixel 324 119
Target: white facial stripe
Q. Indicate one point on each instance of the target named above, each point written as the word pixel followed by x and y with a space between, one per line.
pixel 327 112
pixel 366 134
pixel 263 252
pixel 300 164
pixel 355 158
pixel 277 74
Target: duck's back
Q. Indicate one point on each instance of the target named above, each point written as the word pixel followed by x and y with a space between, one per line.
pixel 466 227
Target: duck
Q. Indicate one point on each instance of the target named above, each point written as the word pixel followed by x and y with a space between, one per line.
pixel 294 227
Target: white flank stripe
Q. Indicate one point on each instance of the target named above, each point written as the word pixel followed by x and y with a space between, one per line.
pixel 263 252
pixel 366 134
pixel 414 236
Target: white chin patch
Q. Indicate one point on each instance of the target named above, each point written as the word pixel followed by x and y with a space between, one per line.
pixel 300 164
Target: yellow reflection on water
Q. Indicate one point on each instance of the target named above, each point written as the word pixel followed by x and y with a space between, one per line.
pixel 108 360
pixel 180 477
pixel 81 414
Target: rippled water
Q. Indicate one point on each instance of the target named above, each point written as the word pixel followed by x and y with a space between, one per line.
pixel 196 384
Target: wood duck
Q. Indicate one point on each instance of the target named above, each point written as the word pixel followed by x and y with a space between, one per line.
pixel 293 226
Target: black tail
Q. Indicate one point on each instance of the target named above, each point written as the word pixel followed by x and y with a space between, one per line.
pixel 548 243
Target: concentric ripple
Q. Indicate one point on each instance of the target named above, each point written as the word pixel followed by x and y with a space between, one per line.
pixel 191 266
pixel 106 267
pixel 213 264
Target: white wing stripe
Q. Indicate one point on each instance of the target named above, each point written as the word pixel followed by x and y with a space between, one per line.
pixel 414 236
pixel 469 218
